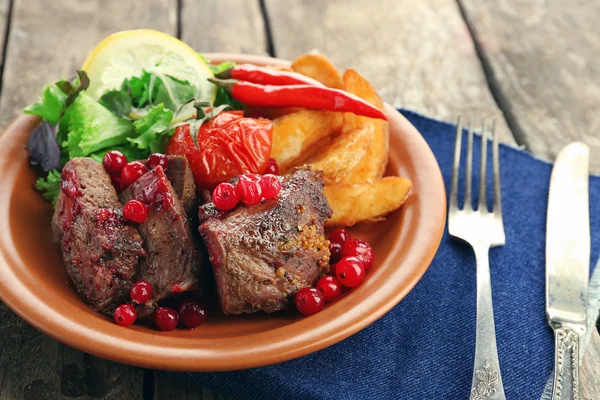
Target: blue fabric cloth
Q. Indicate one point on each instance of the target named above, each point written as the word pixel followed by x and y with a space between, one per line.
pixel 423 348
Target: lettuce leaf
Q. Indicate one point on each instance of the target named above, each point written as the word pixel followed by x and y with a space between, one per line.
pixel 118 102
pixel 48 105
pixel 148 129
pixel 43 148
pixel 49 187
pixel 132 153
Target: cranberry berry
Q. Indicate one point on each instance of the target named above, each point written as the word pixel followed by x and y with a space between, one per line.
pixel 166 319
pixel 350 271
pixel 272 167
pixel 334 250
pixel 250 189
pixel 225 196
pixel 191 313
pixel 135 211
pixel 330 287
pixel 114 161
pixel 270 185
pixel 358 248
pixel 340 236
pixel 131 172
pixel 125 315
pixel 141 292
pixel 309 300
pixel 157 159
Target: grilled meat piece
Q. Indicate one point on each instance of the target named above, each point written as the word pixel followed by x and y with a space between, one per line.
pixel 172 264
pixel 101 253
pixel 182 179
pixel 262 255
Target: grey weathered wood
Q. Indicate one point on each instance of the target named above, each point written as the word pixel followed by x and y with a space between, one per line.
pixel 544 61
pixel 4 7
pixel 233 26
pixel 167 387
pixel 49 40
pixel 590 370
pixel 419 54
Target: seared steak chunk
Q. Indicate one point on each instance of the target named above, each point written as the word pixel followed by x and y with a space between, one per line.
pixel 182 179
pixel 262 255
pixel 172 264
pixel 100 252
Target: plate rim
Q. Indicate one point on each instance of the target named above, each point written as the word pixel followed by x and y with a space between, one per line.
pixel 145 355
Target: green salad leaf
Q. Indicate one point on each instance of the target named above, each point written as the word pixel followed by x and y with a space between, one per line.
pixel 149 129
pixel 91 127
pixel 132 153
pixel 48 105
pixel 138 88
pixel 49 186
pixel 118 102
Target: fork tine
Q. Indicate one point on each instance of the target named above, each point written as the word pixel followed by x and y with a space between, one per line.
pixel 482 170
pixel 455 166
pixel 496 166
pixel 469 172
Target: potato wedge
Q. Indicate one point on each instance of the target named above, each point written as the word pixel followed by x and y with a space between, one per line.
pixel 320 68
pixel 269 112
pixel 295 134
pixel 367 202
pixel 342 154
pixel 372 166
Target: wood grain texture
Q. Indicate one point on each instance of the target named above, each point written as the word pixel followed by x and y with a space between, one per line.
pixel 167 387
pixel 4 10
pixel 544 63
pixel 47 41
pixel 234 26
pixel 50 40
pixel 419 54
pixel 590 370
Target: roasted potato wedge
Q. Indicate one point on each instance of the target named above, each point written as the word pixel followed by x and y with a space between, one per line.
pixel 269 112
pixel 367 202
pixel 320 68
pixel 372 166
pixel 342 154
pixel 294 135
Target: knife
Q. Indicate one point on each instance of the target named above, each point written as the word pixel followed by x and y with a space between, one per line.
pixel 568 265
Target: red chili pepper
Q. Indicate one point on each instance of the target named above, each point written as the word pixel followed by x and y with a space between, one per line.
pixel 266 76
pixel 307 96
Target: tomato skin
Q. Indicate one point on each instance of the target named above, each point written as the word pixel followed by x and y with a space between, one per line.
pixel 228 145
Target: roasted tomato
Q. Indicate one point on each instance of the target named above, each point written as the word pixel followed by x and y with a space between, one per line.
pixel 228 145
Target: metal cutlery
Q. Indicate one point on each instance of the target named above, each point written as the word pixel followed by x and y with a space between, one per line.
pixel 482 229
pixel 568 265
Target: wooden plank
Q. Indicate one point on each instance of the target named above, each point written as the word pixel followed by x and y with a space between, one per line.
pixel 590 370
pixel 167 387
pixel 234 26
pixel 543 61
pixel 4 11
pixel 418 53
pixel 49 40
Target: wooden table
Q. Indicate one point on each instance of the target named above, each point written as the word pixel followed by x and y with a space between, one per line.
pixel 534 66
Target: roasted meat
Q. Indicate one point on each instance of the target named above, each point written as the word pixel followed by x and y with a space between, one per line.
pixel 182 179
pixel 172 264
pixel 101 253
pixel 262 255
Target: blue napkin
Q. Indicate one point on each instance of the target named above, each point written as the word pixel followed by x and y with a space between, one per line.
pixel 424 347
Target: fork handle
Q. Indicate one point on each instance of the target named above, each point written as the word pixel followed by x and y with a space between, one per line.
pixel 487 381
pixel 566 363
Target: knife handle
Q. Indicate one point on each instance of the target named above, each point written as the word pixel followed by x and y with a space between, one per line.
pixel 566 363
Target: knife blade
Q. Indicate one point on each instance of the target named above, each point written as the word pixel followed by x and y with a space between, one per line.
pixel 568 264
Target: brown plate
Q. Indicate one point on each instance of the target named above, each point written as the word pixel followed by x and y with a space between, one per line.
pixel 34 284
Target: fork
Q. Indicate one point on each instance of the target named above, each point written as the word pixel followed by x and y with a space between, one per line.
pixel 482 229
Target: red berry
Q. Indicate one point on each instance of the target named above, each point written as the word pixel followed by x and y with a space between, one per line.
pixel 125 315
pixel 157 159
pixel 350 271
pixel 131 172
pixel 141 292
pixel 270 185
pixel 309 301
pixel 250 189
pixel 272 167
pixel 191 313
pixel 114 161
pixel 225 196
pixel 166 319
pixel 339 235
pixel 334 249
pixel 330 287
pixel 358 248
pixel 135 211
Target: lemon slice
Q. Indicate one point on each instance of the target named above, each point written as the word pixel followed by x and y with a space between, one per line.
pixel 125 54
